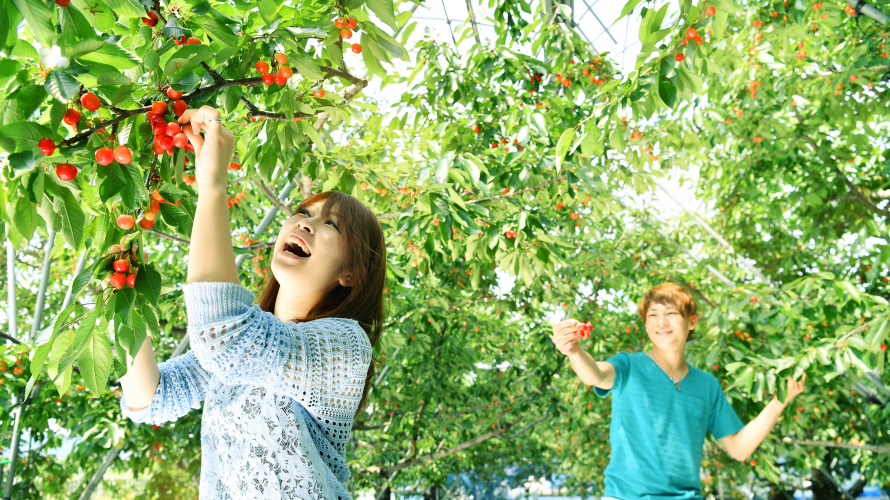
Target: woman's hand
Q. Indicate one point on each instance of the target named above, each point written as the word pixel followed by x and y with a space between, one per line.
pixel 213 152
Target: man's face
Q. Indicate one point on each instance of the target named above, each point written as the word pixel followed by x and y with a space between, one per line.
pixel 667 328
pixel 307 252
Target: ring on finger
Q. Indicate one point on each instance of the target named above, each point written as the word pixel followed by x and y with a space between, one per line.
pixel 213 120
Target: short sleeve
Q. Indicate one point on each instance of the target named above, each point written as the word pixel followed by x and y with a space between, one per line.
pixel 724 421
pixel 318 363
pixel 621 362
pixel 182 387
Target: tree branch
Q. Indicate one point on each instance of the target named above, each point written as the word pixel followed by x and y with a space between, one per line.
pixel 284 207
pixel 167 236
pixel 9 337
pixel 831 444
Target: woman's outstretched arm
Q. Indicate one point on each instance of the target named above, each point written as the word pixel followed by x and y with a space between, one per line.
pixel 211 257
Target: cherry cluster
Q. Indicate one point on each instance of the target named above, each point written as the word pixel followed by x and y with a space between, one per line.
pixel 280 78
pixel 584 330
pixel 116 264
pixel 346 27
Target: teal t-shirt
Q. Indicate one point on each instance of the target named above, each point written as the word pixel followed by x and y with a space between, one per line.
pixel 658 432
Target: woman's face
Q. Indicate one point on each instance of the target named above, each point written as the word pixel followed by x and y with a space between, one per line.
pixel 307 252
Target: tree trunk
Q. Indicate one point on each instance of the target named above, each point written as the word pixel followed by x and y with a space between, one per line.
pixel 779 492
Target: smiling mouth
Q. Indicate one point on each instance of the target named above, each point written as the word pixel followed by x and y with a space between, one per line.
pixel 295 246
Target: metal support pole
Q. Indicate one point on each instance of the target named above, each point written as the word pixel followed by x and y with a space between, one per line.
pixel 97 477
pixel 44 278
pixel 12 311
pixel 270 215
pixel 472 18
pixel 81 263
pixel 448 22
pixel 710 230
pixel 16 435
pixel 863 8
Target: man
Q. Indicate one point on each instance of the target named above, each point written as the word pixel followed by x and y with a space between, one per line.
pixel 662 408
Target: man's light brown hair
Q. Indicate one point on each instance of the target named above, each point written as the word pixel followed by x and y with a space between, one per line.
pixel 673 295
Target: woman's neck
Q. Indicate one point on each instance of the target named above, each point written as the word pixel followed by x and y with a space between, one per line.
pixel 292 304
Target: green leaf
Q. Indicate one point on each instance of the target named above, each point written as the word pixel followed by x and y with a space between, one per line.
pixel 314 136
pixel 84 47
pixel 187 58
pixel 384 10
pixel 73 219
pixel 94 361
pixel 38 17
pixel 177 216
pixel 628 8
pixel 151 60
pixel 24 216
pixel 126 8
pixel 689 84
pixel 61 345
pixel 80 339
pixel 38 359
pixel 269 10
pixel 667 91
pixel 219 31
pixel 112 180
pixel 173 29
pixel 307 67
pixel 590 143
pixel 616 140
pixel 20 136
pixel 124 299
pixel 29 97
pixel 368 57
pixel 562 146
pixel 306 31
pixel 112 55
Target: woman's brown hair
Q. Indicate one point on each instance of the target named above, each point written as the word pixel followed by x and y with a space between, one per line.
pixel 364 259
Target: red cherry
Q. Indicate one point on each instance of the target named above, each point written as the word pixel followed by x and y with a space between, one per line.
pixel 340 23
pixel 159 108
pixel 63 3
pixel 180 41
pixel 180 140
pixel 125 222
pixel 680 57
pixel 47 146
pixel 154 206
pixel 122 155
pixel 131 278
pixel 166 143
pixel 711 11
pixel 192 41
pixel 90 101
pixel 356 48
pixel 476 129
pixel 588 326
pixel 883 347
pixel 262 67
pixel 66 171
pixel 173 94
pixel 286 72
pixel 346 33
pixel 172 129
pixel 351 24
pixel 318 93
pixel 753 299
pixel 147 220
pixel 118 280
pixel 121 265
pixel 72 116
pixel 268 78
pixel 281 58
pixel 279 79
pixel 104 156
pixel 151 20
pixel 160 127
pixel 234 166
pixel 156 147
pixel 179 107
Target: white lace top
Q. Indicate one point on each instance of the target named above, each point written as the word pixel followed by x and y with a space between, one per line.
pixel 279 397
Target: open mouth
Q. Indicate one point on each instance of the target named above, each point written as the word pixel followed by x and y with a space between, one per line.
pixel 296 246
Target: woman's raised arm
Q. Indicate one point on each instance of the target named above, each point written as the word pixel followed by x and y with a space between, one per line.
pixel 211 257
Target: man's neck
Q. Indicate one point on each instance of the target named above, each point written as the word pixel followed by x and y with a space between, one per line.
pixel 670 360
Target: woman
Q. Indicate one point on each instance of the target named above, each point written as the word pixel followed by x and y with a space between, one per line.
pixel 282 380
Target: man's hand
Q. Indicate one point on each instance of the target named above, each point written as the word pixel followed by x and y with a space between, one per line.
pixel 794 388
pixel 564 337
